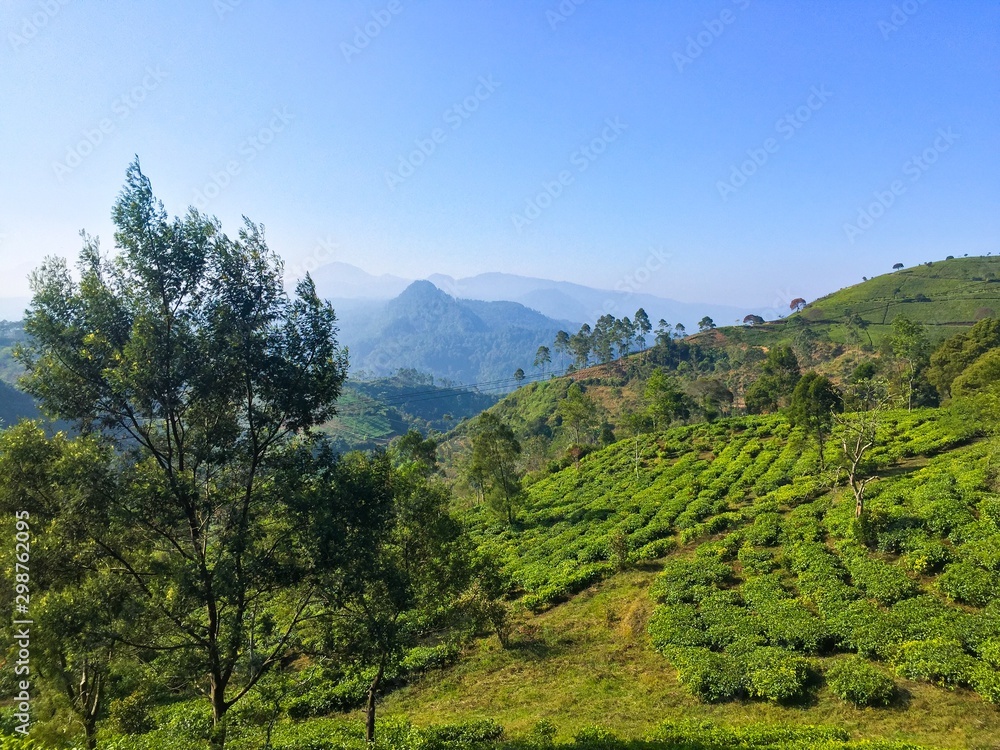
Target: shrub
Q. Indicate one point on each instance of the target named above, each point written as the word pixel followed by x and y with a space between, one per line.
pixel 989 510
pixel 926 556
pixel 764 530
pixel 985 680
pixel 131 714
pixel 708 675
pixel 942 661
pixel 655 549
pixel 596 738
pixel 867 629
pixel 462 735
pixel 776 674
pixel 543 734
pixel 676 625
pixel 857 681
pixel 879 579
pixel 967 583
pixel 755 561
pixel 989 652
pixel 424 658
pixel 689 580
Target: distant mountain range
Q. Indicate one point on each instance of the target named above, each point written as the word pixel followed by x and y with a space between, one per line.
pixel 561 300
pixel 461 340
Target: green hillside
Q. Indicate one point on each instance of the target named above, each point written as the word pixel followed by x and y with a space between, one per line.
pixel 372 412
pixel 946 295
pixel 761 566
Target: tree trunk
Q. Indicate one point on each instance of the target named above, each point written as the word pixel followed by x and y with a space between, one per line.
pixel 219 708
pixel 370 709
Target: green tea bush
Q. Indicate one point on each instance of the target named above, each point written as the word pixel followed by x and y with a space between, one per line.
pixel 788 623
pixel 727 621
pixel 708 675
pixel 926 616
pixel 946 514
pixel 942 661
pixel 688 580
pixel 989 652
pixel 985 680
pixel 755 561
pixel 676 625
pixel 776 675
pixel 764 530
pixel 867 629
pixel 425 658
pixel 926 556
pixel 858 681
pixel 596 738
pixel 877 578
pixel 464 735
pixel 968 583
pixel 989 511
pixel 983 552
pixel 705 734
pixel 654 550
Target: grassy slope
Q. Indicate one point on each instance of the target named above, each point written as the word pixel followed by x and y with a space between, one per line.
pixel 960 291
pixel 589 660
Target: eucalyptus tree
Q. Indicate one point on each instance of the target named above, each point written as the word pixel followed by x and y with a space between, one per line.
pixel 186 356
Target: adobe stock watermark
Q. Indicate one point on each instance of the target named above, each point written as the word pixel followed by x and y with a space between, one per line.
pixel 249 149
pixel 786 127
pixel 914 168
pixel 635 281
pixel 454 117
pixel 581 158
pixel 901 14
pixel 702 40
pixel 31 26
pixel 366 32
pixel 224 7
pixel 122 108
pixel 562 12
pixel 323 252
pixel 22 621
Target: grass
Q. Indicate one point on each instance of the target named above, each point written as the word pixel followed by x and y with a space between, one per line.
pixel 589 662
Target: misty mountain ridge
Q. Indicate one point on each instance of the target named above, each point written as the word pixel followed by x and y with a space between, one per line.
pixel 561 300
pixel 427 329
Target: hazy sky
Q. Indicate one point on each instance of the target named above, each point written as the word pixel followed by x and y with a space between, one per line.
pixel 728 146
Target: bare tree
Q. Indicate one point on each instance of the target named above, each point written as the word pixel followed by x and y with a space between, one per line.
pixel 866 403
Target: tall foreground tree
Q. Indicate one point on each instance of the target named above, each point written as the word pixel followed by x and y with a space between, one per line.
pixel 187 356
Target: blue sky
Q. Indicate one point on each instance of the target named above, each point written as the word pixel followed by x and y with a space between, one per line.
pixel 740 139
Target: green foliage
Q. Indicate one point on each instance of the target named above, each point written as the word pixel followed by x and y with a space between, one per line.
pixel 942 661
pixel 776 674
pixel 709 675
pixel 857 681
pixel 779 377
pixel 813 404
pixel 970 584
pixel 958 352
pixel 880 580
pixel 493 464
